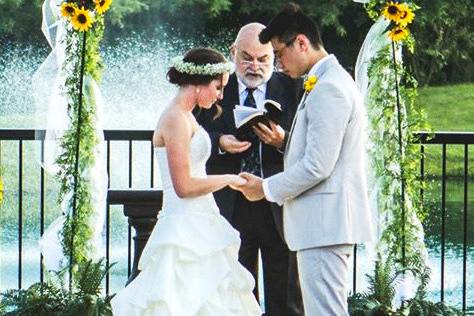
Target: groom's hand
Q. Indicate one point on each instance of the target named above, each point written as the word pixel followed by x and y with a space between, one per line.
pixel 273 135
pixel 253 189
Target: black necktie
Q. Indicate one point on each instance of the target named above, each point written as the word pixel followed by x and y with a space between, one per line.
pixel 251 159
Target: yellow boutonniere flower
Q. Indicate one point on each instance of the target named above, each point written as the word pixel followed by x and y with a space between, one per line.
pixel 309 83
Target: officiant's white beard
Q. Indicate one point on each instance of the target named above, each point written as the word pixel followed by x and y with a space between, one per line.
pixel 254 79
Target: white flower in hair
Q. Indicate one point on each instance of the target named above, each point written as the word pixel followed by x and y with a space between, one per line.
pixel 206 69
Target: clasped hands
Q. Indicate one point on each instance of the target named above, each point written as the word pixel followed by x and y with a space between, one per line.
pixel 251 186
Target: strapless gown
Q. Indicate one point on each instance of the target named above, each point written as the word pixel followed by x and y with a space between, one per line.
pixel 190 263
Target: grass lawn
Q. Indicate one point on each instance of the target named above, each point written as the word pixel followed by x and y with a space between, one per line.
pixel 449 108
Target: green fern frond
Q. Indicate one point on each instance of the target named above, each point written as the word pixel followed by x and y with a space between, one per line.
pixel 51 298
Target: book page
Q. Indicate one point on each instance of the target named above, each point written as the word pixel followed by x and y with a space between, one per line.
pixel 243 114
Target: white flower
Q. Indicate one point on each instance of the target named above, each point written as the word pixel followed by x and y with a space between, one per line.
pixel 206 69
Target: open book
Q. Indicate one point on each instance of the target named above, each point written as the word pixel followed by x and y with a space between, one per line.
pixel 245 117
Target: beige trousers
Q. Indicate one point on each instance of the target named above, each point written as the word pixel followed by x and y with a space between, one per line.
pixel 323 273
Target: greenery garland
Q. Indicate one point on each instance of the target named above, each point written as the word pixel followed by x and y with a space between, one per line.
pixel 85 28
pixel 1 177
pixel 84 25
pixel 394 157
pixel 394 154
pixel 79 140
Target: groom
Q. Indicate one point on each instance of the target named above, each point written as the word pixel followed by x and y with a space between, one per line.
pixel 323 186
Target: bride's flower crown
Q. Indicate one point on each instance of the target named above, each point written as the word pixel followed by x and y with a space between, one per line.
pixel 207 69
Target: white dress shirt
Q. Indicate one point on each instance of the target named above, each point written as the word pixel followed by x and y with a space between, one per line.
pixel 259 96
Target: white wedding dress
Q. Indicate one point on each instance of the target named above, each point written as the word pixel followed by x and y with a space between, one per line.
pixel 189 265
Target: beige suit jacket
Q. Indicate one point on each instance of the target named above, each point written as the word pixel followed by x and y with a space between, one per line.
pixel 323 187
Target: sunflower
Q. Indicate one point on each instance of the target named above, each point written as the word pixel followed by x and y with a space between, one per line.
pixel 406 15
pixel 102 5
pixel 68 9
pixel 82 20
pixel 398 34
pixel 392 11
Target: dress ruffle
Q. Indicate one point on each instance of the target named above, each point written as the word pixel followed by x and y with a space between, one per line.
pixel 190 267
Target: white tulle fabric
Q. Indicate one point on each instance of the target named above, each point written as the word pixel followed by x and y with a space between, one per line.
pixel 189 266
pixel 47 83
pixel 374 42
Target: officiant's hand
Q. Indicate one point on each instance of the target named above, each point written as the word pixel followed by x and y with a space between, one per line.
pixel 230 144
pixel 273 135
pixel 253 189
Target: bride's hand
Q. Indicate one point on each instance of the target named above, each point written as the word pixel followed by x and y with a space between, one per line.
pixel 236 182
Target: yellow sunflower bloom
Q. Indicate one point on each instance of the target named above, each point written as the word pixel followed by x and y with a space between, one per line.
pixel 406 15
pixel 68 9
pixel 309 83
pixel 102 5
pixel 82 20
pixel 398 34
pixel 392 11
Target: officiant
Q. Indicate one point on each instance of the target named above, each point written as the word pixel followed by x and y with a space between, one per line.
pixel 259 223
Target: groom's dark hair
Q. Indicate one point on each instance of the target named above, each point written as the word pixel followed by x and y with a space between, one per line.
pixel 290 22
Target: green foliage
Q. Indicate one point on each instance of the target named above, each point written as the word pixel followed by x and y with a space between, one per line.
pixel 381 291
pixel 381 284
pixel 123 8
pixel 445 42
pixel 51 298
pixel 77 231
pixel 377 301
pixel 444 28
pixel 210 7
pixel 449 108
pixel 19 17
pixel 388 162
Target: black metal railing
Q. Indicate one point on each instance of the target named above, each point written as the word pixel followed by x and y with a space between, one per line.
pixel 443 139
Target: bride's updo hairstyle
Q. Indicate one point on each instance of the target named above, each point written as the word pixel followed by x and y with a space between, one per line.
pixel 199 66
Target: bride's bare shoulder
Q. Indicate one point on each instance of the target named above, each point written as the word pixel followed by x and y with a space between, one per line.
pixel 172 122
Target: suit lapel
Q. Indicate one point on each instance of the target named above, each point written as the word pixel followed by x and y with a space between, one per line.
pixel 273 89
pixel 231 99
pixel 300 106
pixel 319 74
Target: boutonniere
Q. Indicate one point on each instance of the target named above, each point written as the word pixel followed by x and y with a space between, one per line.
pixel 309 83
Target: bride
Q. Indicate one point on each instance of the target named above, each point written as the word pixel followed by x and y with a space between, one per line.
pixel 189 265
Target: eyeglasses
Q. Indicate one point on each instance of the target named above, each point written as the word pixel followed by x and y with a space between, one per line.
pixel 248 63
pixel 247 60
pixel 279 52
